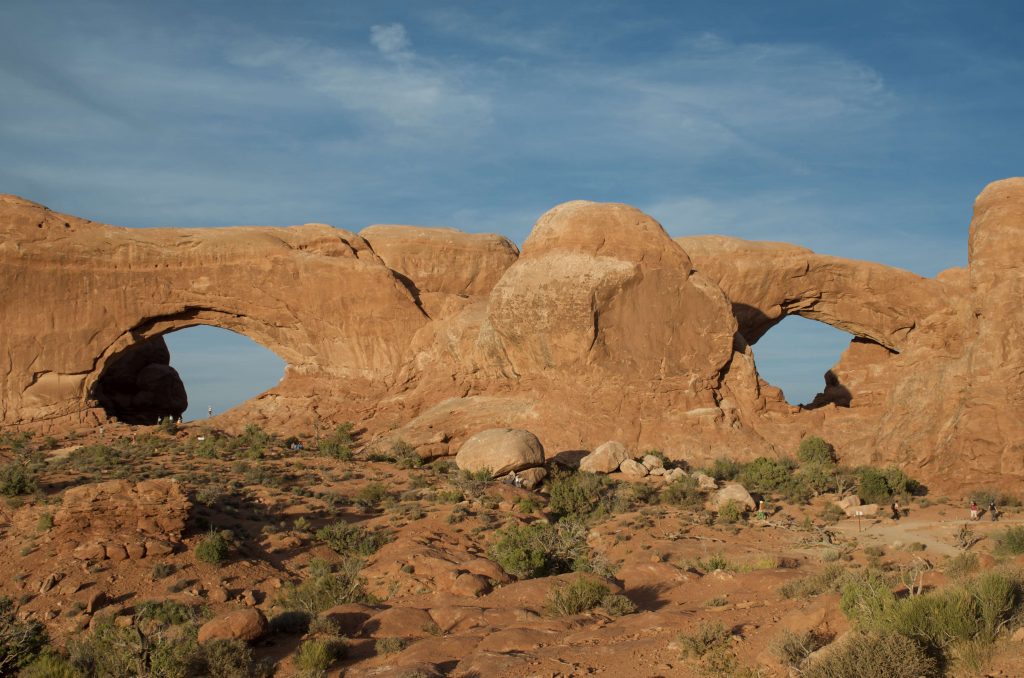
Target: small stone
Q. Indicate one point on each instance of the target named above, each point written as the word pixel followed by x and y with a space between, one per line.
pixel 704 481
pixel 90 551
pixel 158 548
pixel 249 598
pixel 136 551
pixel 95 601
pixel 658 471
pixel 218 594
pixel 532 477
pixel 50 582
pixel 124 621
pixel 116 552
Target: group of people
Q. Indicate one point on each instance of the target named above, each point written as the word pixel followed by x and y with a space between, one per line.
pixel 976 512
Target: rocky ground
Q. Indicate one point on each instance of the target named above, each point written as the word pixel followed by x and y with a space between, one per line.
pixel 339 561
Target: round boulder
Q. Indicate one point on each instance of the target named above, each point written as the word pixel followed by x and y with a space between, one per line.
pixel 248 624
pixel 733 492
pixel 500 450
pixel 605 459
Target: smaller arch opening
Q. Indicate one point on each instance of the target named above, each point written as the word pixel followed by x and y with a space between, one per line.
pixel 186 373
pixel 797 354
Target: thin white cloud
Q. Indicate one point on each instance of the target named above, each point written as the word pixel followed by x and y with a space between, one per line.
pixel 392 41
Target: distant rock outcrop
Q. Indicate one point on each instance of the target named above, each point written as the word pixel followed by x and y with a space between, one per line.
pixel 603 328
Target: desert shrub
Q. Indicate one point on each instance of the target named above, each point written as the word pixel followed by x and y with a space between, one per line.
pixel 213 548
pixel 110 650
pixel 617 605
pixel 51 665
pixel 765 475
pixel 338 445
pixel 20 641
pixel 166 612
pixel 528 505
pixel 16 479
pixel 866 598
pixel 325 588
pixel 962 565
pixel 229 659
pixel 541 549
pixel 710 647
pixel 580 595
pixel 1007 499
pixel 724 469
pixel 948 622
pixel 878 486
pixel 829 579
pixel 405 455
pixel 370 495
pixel 832 513
pixel 316 654
pixel 873 656
pixel 684 492
pixel 352 540
pixel 579 495
pixel 792 647
pixel 45 522
pixel 1010 541
pixel 729 513
pixel 982 496
pixel 814 450
pixel 94 458
pixel 814 478
pixel 390 645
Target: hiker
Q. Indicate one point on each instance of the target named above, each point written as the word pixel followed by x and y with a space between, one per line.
pixel 762 513
pixel 209 411
pixel 992 509
pixel 896 509
pixel 974 510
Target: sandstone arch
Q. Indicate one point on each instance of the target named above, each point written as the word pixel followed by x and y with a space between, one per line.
pixel 767 281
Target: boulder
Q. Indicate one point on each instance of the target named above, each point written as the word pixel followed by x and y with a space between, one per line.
pixel 862 509
pixel 469 584
pixel 674 474
pixel 605 459
pixel 704 481
pixel 848 501
pixel 500 450
pixel 531 478
pixel 733 492
pixel 652 462
pixel 247 624
pixel 631 467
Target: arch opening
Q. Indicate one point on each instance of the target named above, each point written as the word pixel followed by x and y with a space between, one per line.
pixel 796 354
pixel 185 373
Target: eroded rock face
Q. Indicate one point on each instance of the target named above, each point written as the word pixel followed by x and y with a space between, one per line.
pixel 603 328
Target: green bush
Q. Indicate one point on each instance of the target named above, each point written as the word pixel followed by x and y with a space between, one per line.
pixel 20 641
pixel 1010 541
pixel 166 612
pixel 579 495
pixel 213 548
pixel 866 598
pixel 110 650
pixel 814 450
pixel 684 492
pixel 228 659
pixel 579 596
pixel 350 540
pixel 325 588
pixel 370 495
pixel 541 549
pixel 729 513
pixel 962 565
pixel 710 647
pixel 95 458
pixel 885 655
pixel 51 665
pixel 878 486
pixel 765 475
pixel 617 605
pixel 405 455
pixel 315 655
pixel 17 479
pixel 829 579
pixel 724 469
pixel 338 445
pixel 390 645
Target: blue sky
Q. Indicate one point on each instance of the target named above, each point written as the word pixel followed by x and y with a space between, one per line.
pixel 859 129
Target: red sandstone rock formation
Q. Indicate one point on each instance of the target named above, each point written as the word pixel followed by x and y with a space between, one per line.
pixel 603 328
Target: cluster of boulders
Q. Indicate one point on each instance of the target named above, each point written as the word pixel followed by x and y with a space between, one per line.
pixel 118 520
pixel 852 506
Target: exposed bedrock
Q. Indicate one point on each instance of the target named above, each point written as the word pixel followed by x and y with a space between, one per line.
pixel 602 328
